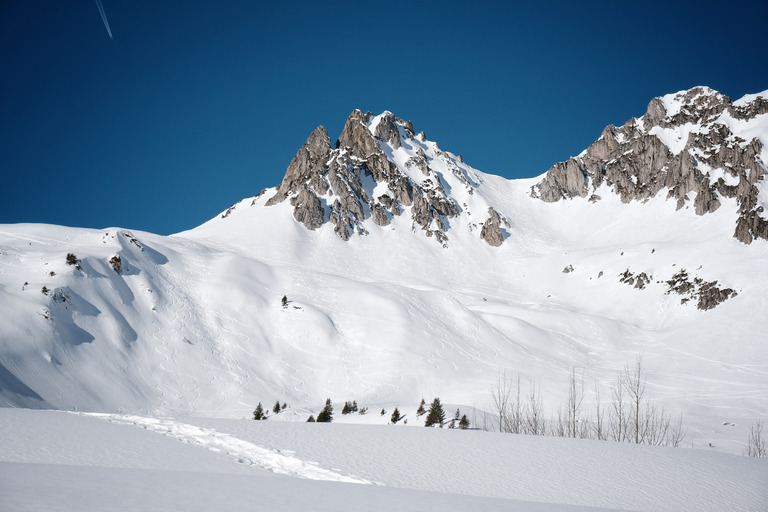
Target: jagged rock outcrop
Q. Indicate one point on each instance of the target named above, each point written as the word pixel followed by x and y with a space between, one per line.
pixel 303 169
pixel 308 209
pixel 344 177
pixel 491 230
pixel 682 144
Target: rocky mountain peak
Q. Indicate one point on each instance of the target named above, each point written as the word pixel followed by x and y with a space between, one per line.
pixel 684 145
pixel 378 170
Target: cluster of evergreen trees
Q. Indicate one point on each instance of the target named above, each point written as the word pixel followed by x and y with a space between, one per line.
pixel 260 414
pixel 435 415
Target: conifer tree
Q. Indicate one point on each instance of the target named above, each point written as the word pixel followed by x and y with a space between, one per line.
pixel 276 407
pixel 464 423
pixel 395 416
pixel 259 412
pixel 311 419
pixel 420 410
pixel 347 408
pixel 436 414
pixel 326 415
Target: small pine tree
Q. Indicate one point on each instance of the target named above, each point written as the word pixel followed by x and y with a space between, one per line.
pixel 420 410
pixel 71 259
pixel 276 407
pixel 285 301
pixel 259 412
pixel 326 415
pixel 311 419
pixel 383 411
pixel 285 406
pixel 464 423
pixel 395 416
pixel 436 414
pixel 363 411
pixel 353 407
pixel 347 408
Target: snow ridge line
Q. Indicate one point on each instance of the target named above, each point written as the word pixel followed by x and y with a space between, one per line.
pixel 244 451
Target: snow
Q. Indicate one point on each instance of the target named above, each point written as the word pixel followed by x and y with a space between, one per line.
pixel 674 138
pixel 53 460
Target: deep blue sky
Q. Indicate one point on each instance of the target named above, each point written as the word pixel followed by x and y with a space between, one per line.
pixel 195 105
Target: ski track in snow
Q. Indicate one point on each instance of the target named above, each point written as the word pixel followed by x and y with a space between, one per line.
pixel 276 461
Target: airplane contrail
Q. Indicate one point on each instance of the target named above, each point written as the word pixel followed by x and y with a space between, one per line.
pixel 104 18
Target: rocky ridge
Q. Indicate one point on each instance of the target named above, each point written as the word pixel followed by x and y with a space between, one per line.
pixel 687 144
pixel 379 169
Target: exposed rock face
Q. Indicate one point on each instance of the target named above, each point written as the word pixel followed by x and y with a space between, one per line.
pixel 682 144
pixel 707 294
pixel 491 231
pixel 307 209
pixel 346 175
pixel 304 166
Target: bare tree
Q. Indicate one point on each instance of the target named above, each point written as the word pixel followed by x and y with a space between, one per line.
pixel 535 423
pixel 633 382
pixel 756 444
pixel 573 408
pixel 618 412
pixel 598 425
pixel 677 433
pixel 501 398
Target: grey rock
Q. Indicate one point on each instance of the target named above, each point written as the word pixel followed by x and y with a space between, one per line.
pixel 379 215
pixel 637 165
pixel 387 130
pixel 308 209
pixel 307 167
pixel 491 230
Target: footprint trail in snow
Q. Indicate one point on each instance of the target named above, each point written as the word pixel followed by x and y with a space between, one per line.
pixel 245 452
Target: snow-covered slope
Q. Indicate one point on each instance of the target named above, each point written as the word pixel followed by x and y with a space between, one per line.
pixel 54 460
pixel 408 275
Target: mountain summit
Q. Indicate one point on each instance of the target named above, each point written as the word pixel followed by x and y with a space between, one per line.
pixel 696 145
pixel 379 169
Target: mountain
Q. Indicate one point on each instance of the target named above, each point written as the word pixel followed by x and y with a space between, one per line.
pixel 408 274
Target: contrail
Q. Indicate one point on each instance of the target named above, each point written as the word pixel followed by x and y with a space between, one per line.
pixel 104 18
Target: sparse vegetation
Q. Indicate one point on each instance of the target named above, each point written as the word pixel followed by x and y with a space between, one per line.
pixel 71 259
pixel 756 443
pixel 258 413
pixel 631 416
pixel 395 416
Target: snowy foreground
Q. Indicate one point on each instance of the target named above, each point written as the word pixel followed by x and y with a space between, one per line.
pixel 54 460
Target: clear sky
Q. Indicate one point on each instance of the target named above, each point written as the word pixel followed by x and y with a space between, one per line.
pixel 194 105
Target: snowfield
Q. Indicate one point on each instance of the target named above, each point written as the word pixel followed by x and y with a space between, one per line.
pixel 54 460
